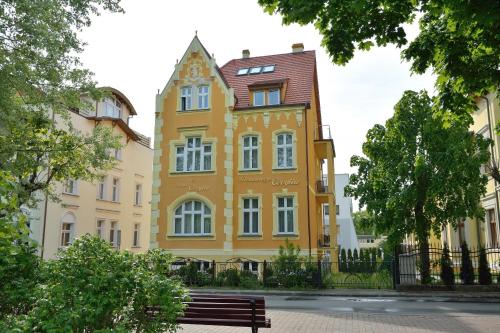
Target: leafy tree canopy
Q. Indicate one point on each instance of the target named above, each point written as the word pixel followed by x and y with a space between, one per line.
pixel 363 223
pixel 458 39
pixel 418 175
pixel 41 78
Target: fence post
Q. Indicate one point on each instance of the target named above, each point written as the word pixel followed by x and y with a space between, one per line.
pixel 213 271
pixel 395 267
pixel 318 277
pixel 264 273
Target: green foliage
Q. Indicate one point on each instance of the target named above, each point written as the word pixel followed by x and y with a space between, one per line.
pixel 484 269
pixel 447 274
pixel 191 276
pixel 19 263
pixel 92 287
pixel 419 174
pixel 249 280
pixel 376 280
pixel 41 78
pixel 343 261
pixel 458 39
pixel 466 267
pixel 229 278
pixel 363 223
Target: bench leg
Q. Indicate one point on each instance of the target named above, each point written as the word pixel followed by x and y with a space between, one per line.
pixel 255 329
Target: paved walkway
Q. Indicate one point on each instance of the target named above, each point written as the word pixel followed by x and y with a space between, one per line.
pixel 322 322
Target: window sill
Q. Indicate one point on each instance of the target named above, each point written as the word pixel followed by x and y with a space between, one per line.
pixel 191 237
pixel 250 236
pixel 138 206
pixel 250 170
pixel 71 194
pixel 110 201
pixel 192 172
pixel 283 235
pixel 192 111
pixel 285 169
pixel 135 247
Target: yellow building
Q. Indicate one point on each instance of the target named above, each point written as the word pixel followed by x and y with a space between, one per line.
pixel 487 232
pixel 116 208
pixel 239 156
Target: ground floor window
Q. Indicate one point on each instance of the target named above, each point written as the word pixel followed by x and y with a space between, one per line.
pixel 192 218
pixel 286 215
pixel 67 229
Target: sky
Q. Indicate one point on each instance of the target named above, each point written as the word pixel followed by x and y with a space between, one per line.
pixel 136 52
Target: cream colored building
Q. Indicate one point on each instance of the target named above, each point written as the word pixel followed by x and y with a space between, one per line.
pixel 116 208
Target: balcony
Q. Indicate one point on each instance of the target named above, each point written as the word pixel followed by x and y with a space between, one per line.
pixel 322 185
pixel 323 143
pixel 324 241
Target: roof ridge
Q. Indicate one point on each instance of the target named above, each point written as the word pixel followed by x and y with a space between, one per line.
pixel 269 55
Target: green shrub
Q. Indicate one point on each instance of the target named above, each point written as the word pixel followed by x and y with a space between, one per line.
pixel 484 268
pixel 229 278
pixel 343 261
pixel 249 280
pixel 92 287
pixel 447 275
pixel 466 268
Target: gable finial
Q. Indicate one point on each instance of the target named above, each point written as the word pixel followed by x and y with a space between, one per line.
pixel 196 32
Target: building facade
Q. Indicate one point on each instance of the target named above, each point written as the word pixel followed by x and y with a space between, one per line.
pixel 486 232
pixel 239 156
pixel 117 208
pixel 346 235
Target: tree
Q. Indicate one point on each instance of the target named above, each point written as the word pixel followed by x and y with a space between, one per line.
pixel 447 275
pixel 363 223
pixel 92 287
pixel 466 267
pixel 458 39
pixel 484 269
pixel 418 174
pixel 41 78
pixel 343 260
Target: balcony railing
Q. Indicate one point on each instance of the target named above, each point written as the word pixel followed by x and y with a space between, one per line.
pixel 322 185
pixel 322 132
pixel 324 241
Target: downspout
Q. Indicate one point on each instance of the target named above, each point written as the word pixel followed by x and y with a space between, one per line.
pixel 307 183
pixel 492 152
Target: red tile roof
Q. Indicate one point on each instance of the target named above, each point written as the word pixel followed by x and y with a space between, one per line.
pixel 296 68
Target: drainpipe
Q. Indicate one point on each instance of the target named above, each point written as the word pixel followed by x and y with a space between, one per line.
pixel 307 183
pixel 492 152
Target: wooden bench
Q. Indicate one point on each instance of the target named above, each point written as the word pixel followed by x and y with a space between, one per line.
pixel 225 310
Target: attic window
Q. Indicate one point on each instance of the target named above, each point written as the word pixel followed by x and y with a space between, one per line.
pixel 255 70
pixel 268 69
pixel 242 71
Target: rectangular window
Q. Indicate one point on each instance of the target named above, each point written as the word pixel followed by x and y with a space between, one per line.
pixel 493 227
pixel 250 215
pixel 71 186
pixel 186 98
pixel 100 228
pixel 250 152
pixel 194 156
pixel 286 215
pixel 337 209
pixel 258 98
pixel 326 210
pixel 111 108
pixel 135 241
pixel 138 195
pixel 203 97
pixel 285 150
pixel 101 189
pixel 115 235
pixel 66 233
pixel 116 190
pixel 251 266
pixel 273 97
pixel 117 154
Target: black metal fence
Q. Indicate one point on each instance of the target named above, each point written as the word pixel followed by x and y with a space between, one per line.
pixel 463 265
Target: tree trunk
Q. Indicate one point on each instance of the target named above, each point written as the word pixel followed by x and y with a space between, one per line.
pixel 423 244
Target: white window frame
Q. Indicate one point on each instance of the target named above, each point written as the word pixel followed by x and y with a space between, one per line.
pixel 203 95
pixel 186 98
pixel 269 96
pixel 197 150
pixel 67 235
pixel 115 234
pixel 115 189
pixel 253 226
pixel 251 266
pixel 252 151
pixel 138 195
pixel 136 240
pixel 286 148
pixel 100 226
pixel 188 209
pixel 285 209
pixel 101 189
pixel 111 107
pixel 73 189
pixel 263 97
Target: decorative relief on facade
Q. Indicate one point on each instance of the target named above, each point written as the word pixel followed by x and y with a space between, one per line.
pixel 194 188
pixel 266 119
pixel 274 181
pixel 298 117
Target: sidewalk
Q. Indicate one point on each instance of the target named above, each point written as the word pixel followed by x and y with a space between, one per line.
pixel 441 296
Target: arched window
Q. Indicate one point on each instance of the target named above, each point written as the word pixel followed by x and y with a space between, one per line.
pixel 192 218
pixel 67 229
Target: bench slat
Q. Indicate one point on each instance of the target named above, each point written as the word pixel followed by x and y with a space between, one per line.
pixel 256 298
pixel 223 316
pixel 224 300
pixel 218 305
pixel 222 322
pixel 225 310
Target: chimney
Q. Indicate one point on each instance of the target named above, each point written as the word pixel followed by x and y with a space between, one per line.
pixel 245 54
pixel 297 47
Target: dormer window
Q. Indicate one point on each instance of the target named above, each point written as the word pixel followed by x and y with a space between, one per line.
pixel 258 98
pixel 273 97
pixel 111 108
pixel 186 98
